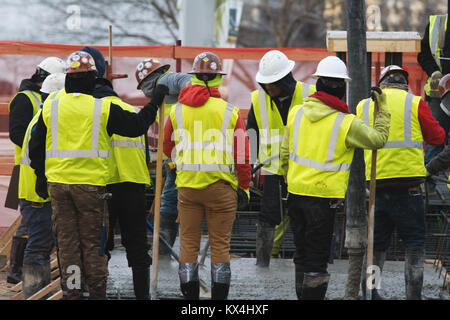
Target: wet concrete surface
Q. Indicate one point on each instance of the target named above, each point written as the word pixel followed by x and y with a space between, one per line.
pixel 250 282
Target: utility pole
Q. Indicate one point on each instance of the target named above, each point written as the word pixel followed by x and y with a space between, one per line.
pixel 359 87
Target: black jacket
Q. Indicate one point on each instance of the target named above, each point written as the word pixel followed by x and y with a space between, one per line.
pixel 426 60
pixel 21 112
pixel 121 122
pixel 441 162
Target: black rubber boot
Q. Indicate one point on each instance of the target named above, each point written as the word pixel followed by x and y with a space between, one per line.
pixel 220 280
pixel 189 281
pixel 299 276
pixel 414 259
pixel 16 260
pixel 315 286
pixel 264 242
pixel 378 260
pixel 168 229
pixel 141 282
pixel 35 277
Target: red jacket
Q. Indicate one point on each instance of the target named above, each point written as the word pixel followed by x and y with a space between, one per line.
pixel 196 96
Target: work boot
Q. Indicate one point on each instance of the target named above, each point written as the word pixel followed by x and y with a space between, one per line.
pixel 168 229
pixel 35 277
pixel 414 273
pixel 378 260
pixel 73 294
pixel 97 293
pixel 299 276
pixel 141 282
pixel 264 242
pixel 315 286
pixel 220 280
pixel 189 281
pixel 16 260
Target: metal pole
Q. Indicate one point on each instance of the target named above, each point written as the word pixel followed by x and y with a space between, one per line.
pixel 356 215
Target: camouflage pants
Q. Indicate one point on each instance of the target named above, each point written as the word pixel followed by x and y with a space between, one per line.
pixel 77 222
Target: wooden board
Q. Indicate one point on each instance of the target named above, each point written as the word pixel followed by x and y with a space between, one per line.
pixel 57 296
pixel 8 235
pixel 46 290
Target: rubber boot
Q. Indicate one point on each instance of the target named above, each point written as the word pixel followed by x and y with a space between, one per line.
pixel 168 229
pixel 378 260
pixel 16 260
pixel 264 242
pixel 220 280
pixel 414 259
pixel 73 294
pixel 315 286
pixel 35 277
pixel 141 282
pixel 189 281
pixel 299 276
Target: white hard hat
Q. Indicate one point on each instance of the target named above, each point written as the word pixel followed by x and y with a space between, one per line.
pixel 53 82
pixel 391 69
pixel 332 67
pixel 53 65
pixel 273 66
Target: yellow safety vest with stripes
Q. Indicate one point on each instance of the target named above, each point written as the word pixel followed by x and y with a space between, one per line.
pixel 77 142
pixel 270 124
pixel 402 155
pixel 167 109
pixel 27 177
pixel 436 36
pixel 319 161
pixel 35 99
pixel 128 162
pixel 204 139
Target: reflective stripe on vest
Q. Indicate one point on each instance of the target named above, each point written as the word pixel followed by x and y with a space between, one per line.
pixel 187 145
pixel 127 144
pixel 407 142
pixel 93 153
pixel 328 165
pixel 36 99
pixel 305 90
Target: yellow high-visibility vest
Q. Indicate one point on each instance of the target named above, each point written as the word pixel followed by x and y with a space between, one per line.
pixel 402 155
pixel 128 162
pixel 27 177
pixel 319 161
pixel 35 99
pixel 270 124
pixel 167 109
pixel 77 142
pixel 438 24
pixel 204 143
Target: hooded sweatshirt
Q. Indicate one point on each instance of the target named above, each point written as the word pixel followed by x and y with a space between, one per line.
pixel 321 105
pixel 21 112
pixel 196 95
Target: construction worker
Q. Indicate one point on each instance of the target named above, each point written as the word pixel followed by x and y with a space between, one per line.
pixel 153 77
pixel 400 170
pixel 434 58
pixel 316 154
pixel 266 124
pixel 127 186
pixel 22 109
pixel 36 211
pixel 211 153
pixel 70 148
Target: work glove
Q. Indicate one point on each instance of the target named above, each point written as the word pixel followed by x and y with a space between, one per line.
pixel 434 81
pixel 380 99
pixel 158 94
pixel 243 198
pixel 41 187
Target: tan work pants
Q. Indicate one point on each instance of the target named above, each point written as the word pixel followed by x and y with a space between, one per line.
pixel 218 203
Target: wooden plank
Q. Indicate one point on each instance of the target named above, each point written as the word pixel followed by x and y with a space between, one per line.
pixel 46 290
pixel 18 296
pixel 57 296
pixel 17 287
pixel 54 274
pixel 54 264
pixel 7 236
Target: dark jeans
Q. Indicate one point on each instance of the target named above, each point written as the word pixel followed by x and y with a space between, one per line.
pixel 40 235
pixel 270 201
pixel 403 210
pixel 312 222
pixel 127 205
pixel 444 122
pixel 169 195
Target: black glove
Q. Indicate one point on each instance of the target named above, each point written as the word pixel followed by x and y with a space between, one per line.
pixel 158 94
pixel 242 199
pixel 41 187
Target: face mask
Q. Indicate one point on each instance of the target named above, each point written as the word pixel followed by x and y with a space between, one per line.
pixel 149 84
pixel 335 87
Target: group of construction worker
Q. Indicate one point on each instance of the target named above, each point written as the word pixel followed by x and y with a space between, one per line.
pixel 83 156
